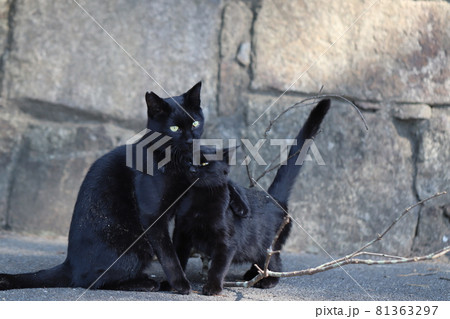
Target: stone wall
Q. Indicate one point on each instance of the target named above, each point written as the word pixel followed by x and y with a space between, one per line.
pixel 70 93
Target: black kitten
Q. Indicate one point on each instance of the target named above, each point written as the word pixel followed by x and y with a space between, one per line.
pixel 116 203
pixel 205 223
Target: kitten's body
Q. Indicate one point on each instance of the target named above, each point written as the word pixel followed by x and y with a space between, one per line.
pixel 205 223
pixel 208 226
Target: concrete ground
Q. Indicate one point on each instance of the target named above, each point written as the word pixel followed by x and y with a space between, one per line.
pixel 415 281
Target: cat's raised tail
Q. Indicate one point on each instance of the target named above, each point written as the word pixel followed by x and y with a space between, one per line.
pixel 281 186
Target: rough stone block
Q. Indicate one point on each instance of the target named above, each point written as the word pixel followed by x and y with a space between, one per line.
pixel 365 183
pixel 235 50
pixel 61 56
pixel 433 175
pixel 433 162
pixel 4 10
pixel 51 165
pixel 433 231
pixel 9 140
pixel 412 112
pixel 396 50
pixel 4 14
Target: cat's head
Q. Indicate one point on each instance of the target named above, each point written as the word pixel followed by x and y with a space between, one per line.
pixel 179 117
pixel 210 173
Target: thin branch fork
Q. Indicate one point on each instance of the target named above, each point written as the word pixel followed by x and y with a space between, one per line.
pixel 266 272
pixel 406 211
pixel 270 251
pixel 270 168
pixel 346 260
pixel 342 262
pixel 249 175
pixel 319 96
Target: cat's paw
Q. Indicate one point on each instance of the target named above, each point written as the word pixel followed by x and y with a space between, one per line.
pixel 211 289
pixel 4 283
pixel 183 287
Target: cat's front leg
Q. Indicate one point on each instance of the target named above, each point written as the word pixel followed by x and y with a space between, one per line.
pixel 220 263
pixel 183 245
pixel 161 243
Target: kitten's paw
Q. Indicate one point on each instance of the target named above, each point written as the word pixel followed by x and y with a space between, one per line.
pixel 251 273
pixel 267 283
pixel 183 287
pixel 211 289
pixel 165 286
pixel 148 285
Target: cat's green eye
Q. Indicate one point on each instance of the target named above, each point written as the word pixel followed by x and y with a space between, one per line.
pixel 204 164
pixel 195 124
pixel 174 128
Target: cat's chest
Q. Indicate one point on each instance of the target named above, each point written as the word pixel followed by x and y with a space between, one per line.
pixel 203 233
pixel 201 220
pixel 202 224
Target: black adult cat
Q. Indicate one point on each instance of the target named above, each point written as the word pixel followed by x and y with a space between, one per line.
pixel 116 203
pixel 205 223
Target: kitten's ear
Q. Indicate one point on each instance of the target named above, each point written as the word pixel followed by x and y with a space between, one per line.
pixel 155 105
pixel 229 152
pixel 192 97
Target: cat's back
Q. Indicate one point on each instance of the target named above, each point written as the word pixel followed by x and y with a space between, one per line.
pixel 261 202
pixel 108 171
pixel 113 162
pixel 107 186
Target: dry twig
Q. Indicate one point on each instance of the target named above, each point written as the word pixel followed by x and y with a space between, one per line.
pixel 346 260
pixel 320 96
pixel 270 167
pixel 249 175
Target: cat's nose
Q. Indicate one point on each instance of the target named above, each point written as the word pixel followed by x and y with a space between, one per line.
pixel 188 137
pixel 193 169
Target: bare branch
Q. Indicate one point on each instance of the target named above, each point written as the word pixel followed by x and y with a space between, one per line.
pixel 249 175
pixel 336 264
pixel 262 273
pixel 302 103
pixel 321 268
pixel 271 168
pixel 346 260
pixel 270 251
pixel 406 211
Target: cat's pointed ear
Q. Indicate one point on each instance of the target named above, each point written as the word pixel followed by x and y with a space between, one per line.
pixel 192 97
pixel 155 105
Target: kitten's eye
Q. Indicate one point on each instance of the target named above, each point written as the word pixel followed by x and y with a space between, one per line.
pixel 204 164
pixel 174 128
pixel 195 124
